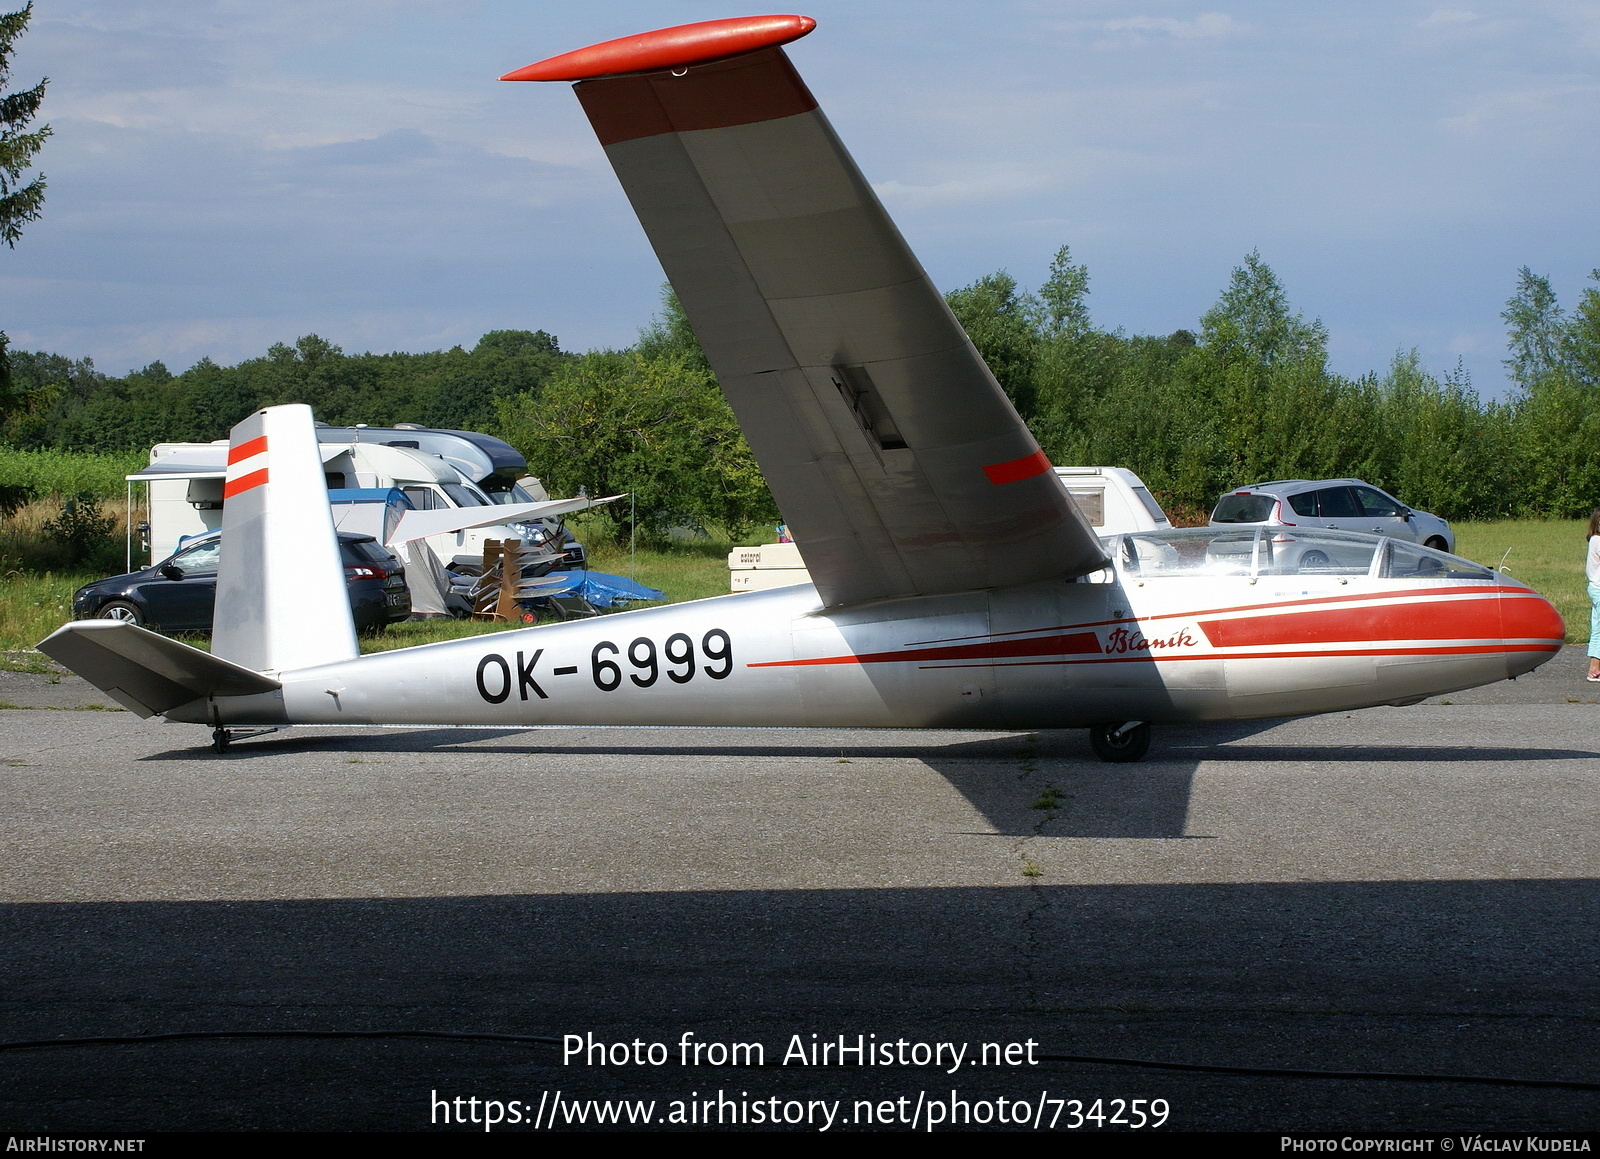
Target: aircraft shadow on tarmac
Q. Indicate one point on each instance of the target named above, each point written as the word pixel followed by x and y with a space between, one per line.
pixel 1458 977
pixel 1003 777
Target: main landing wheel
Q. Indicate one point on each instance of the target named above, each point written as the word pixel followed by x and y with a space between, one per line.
pixel 219 740
pixel 1120 743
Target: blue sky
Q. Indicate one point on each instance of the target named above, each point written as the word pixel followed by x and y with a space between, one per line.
pixel 225 175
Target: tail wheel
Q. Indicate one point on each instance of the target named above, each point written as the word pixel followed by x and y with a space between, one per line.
pixel 1120 743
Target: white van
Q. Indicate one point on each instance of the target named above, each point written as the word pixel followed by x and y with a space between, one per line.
pixel 1113 500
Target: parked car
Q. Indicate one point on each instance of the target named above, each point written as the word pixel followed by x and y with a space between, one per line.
pixel 177 594
pixel 1340 504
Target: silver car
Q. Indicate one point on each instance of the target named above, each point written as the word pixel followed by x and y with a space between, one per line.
pixel 1339 504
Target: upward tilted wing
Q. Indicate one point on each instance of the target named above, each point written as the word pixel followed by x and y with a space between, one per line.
pixel 899 465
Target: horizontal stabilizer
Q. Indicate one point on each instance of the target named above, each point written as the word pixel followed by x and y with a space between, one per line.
pixel 421 524
pixel 144 672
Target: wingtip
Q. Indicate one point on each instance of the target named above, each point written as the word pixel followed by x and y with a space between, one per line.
pixel 667 48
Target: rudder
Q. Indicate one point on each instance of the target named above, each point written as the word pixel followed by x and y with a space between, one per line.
pixel 282 603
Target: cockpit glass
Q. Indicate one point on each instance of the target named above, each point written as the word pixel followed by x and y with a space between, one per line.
pixel 1408 561
pixel 1280 551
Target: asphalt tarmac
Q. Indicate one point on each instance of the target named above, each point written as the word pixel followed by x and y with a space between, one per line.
pixel 1398 890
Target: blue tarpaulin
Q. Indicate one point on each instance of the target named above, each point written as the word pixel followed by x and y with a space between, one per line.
pixel 600 589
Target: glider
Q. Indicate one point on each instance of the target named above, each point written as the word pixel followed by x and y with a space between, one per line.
pixel 954 582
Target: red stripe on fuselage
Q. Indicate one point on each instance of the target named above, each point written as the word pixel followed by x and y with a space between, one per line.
pixel 1456 592
pixel 1459 619
pixel 1079 643
pixel 244 483
pixel 247 450
pixel 1535 618
pixel 1148 658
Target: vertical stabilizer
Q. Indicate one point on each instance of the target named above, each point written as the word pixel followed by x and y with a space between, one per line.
pixel 281 597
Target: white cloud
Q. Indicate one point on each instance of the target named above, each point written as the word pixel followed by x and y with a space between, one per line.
pixel 989 185
pixel 1448 18
pixel 1544 111
pixel 1208 25
pixel 1134 31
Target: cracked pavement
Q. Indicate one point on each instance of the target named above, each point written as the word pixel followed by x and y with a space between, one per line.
pixel 1401 889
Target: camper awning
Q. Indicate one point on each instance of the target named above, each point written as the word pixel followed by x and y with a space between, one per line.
pixel 202 465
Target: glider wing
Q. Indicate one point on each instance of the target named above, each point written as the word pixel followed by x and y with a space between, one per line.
pixel 897 461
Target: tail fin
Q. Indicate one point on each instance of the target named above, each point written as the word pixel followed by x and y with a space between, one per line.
pixel 282 603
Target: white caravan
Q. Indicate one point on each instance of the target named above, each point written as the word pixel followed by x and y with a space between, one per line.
pixel 1113 501
pixel 436 470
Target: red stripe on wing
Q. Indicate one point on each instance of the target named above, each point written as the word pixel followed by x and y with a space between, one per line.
pixel 1024 468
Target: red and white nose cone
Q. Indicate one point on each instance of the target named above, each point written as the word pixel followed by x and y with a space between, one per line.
pixel 1532 628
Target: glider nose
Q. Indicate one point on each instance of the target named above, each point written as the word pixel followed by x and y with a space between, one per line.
pixel 1532 629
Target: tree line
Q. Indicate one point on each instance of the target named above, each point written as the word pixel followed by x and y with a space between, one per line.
pixel 1248 397
pixel 1245 397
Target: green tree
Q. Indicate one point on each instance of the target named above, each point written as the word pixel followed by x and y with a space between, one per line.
pixel 1580 341
pixel 1004 325
pixel 1252 320
pixel 669 334
pixel 1256 353
pixel 1534 330
pixel 1075 364
pixel 1062 296
pixel 657 428
pixel 19 203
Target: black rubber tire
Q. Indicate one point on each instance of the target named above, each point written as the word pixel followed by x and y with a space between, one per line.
pixel 1130 746
pixel 219 740
pixel 121 611
pixel 1437 544
pixel 1313 559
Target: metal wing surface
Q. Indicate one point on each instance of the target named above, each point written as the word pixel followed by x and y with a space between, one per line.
pixel 897 461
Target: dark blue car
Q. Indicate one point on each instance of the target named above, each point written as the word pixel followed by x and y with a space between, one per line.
pixel 177 594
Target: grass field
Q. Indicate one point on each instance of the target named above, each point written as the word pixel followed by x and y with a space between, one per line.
pixel 44 473
pixel 34 605
pixel 1547 555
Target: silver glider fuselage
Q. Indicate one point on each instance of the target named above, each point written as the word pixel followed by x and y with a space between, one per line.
pixel 1044 655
